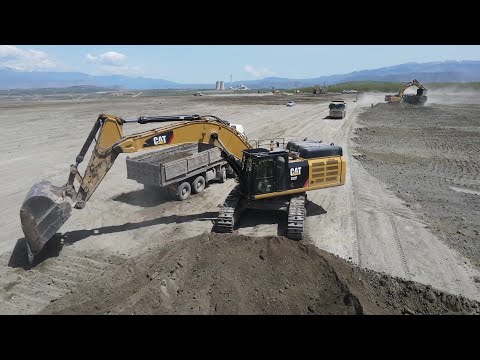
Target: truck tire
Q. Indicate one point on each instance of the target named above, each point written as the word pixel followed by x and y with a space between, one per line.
pixel 223 174
pixel 184 191
pixel 230 172
pixel 198 185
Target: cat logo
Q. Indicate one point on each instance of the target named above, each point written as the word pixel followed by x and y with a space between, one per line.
pixel 160 140
pixel 295 171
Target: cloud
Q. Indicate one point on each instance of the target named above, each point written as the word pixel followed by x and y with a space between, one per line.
pixel 25 60
pixel 112 63
pixel 91 58
pixel 258 72
pixel 110 58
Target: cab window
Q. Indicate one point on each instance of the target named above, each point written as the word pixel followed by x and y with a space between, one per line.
pixel 264 176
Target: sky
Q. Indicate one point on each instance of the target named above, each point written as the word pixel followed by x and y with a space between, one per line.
pixel 210 63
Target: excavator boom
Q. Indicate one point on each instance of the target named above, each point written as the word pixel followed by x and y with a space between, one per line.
pixel 46 207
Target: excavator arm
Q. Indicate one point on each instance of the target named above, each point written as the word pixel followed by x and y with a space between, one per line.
pixel 47 207
pixel 414 82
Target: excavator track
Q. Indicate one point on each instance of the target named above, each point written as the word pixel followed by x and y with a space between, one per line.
pixel 296 217
pixel 229 212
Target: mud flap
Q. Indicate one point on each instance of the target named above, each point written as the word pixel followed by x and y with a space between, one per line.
pixel 43 213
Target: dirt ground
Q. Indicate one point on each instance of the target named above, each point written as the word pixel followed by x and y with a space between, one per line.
pixel 429 157
pixel 236 274
pixel 363 221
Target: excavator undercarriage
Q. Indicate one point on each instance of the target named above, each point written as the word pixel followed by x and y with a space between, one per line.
pixel 235 205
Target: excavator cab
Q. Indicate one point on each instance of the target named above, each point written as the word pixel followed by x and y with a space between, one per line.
pixel 264 171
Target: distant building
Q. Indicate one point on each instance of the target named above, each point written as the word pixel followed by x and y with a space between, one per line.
pixel 242 87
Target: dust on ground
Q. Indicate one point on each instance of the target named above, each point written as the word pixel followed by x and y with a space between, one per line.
pixel 235 274
pixel 429 157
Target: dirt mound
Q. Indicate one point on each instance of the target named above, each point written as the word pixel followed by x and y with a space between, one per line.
pixel 231 274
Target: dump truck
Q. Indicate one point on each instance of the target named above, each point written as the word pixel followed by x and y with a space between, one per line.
pixel 181 170
pixel 338 109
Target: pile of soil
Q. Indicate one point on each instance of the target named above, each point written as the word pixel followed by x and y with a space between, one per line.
pixel 233 274
pixel 429 157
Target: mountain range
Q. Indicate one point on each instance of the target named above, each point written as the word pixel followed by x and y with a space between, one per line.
pixel 445 71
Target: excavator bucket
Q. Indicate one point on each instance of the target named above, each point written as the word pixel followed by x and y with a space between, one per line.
pixel 43 212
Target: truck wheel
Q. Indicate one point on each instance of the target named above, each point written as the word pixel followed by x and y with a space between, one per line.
pixel 198 185
pixel 230 172
pixel 184 191
pixel 223 174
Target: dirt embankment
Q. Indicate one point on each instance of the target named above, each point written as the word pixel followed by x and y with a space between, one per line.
pixel 232 274
pixel 429 157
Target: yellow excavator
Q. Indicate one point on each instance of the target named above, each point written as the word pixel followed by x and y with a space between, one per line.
pixel 420 98
pixel 269 179
pixel 317 89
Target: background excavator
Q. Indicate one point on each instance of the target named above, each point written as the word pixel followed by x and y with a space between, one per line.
pixel 268 179
pixel 420 98
pixel 317 89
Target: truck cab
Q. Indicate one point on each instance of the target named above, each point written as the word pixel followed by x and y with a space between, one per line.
pixel 338 109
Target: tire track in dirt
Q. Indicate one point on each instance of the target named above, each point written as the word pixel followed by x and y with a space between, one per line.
pixel 28 292
pixel 400 249
pixel 416 244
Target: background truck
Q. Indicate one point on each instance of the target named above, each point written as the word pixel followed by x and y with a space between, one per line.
pixel 338 109
pixel 180 169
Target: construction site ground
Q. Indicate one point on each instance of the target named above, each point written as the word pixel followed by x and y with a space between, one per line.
pixel 131 252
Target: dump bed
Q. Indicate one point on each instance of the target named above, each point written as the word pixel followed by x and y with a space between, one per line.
pixel 172 164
